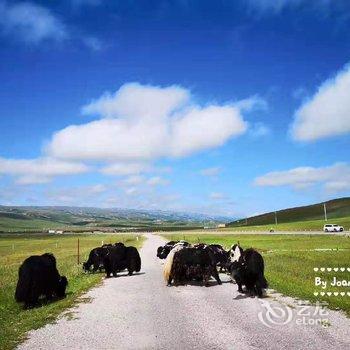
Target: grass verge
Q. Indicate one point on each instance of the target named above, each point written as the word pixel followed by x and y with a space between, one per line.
pixel 14 321
pixel 290 261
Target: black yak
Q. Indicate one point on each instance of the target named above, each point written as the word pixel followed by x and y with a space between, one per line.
pixel 119 258
pixel 192 263
pixel 221 256
pixel 96 257
pixel 247 268
pixel 38 276
pixel 163 251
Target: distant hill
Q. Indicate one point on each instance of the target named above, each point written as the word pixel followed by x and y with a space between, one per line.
pixel 18 218
pixel 336 208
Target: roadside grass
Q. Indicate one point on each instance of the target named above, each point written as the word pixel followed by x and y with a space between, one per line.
pixel 14 321
pixel 290 262
pixel 307 225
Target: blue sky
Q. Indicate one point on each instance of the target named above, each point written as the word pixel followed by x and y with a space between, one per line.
pixel 219 107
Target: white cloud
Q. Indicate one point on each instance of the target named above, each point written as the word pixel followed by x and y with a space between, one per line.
pixel 271 6
pixel 274 7
pixel 141 122
pixel 32 23
pixel 89 195
pixel 131 191
pixel 93 43
pixel 133 180
pixel 157 181
pixel 217 195
pixel 40 170
pixel 99 188
pixel 327 113
pixel 126 168
pixel 214 171
pixel 252 103
pixel 334 178
pixel 259 130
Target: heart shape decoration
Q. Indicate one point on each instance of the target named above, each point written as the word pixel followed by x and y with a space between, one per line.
pixel 315 294
pixel 329 293
pixel 329 269
pixel 322 269
pixel 342 269
pixel 348 269
pixel 342 293
pixel 322 293
pixel 315 269
pixel 348 294
pixel 335 293
pixel 336 269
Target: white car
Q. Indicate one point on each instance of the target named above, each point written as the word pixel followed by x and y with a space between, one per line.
pixel 333 228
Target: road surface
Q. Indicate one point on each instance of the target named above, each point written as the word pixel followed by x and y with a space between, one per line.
pixel 140 312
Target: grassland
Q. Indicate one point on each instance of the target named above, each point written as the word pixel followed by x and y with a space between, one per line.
pixel 290 260
pixel 310 217
pixel 307 225
pixel 18 220
pixel 14 321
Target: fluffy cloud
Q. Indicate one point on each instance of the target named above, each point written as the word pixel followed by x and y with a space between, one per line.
pixel 90 195
pixel 327 113
pixel 30 22
pixel 214 171
pixel 334 178
pixel 41 170
pixel 141 123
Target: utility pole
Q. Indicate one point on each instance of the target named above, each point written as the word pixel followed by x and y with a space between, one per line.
pixel 325 211
pixel 276 218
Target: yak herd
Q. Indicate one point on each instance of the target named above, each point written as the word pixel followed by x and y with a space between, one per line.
pixel 38 275
pixel 185 263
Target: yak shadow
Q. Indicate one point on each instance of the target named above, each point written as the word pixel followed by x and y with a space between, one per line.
pixel 211 283
pixel 43 301
pixel 126 274
pixel 247 295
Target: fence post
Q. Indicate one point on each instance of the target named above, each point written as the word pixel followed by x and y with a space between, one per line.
pixel 78 256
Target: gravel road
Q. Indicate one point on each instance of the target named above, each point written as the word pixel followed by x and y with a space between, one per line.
pixel 140 312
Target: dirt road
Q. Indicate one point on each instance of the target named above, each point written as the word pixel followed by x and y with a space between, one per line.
pixel 140 312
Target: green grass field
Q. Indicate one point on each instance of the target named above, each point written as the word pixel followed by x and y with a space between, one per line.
pixel 307 225
pixel 290 260
pixel 310 217
pixel 14 321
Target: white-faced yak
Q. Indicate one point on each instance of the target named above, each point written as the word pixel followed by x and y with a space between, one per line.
pixel 119 258
pixel 247 269
pixel 167 268
pixel 38 276
pixel 193 263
